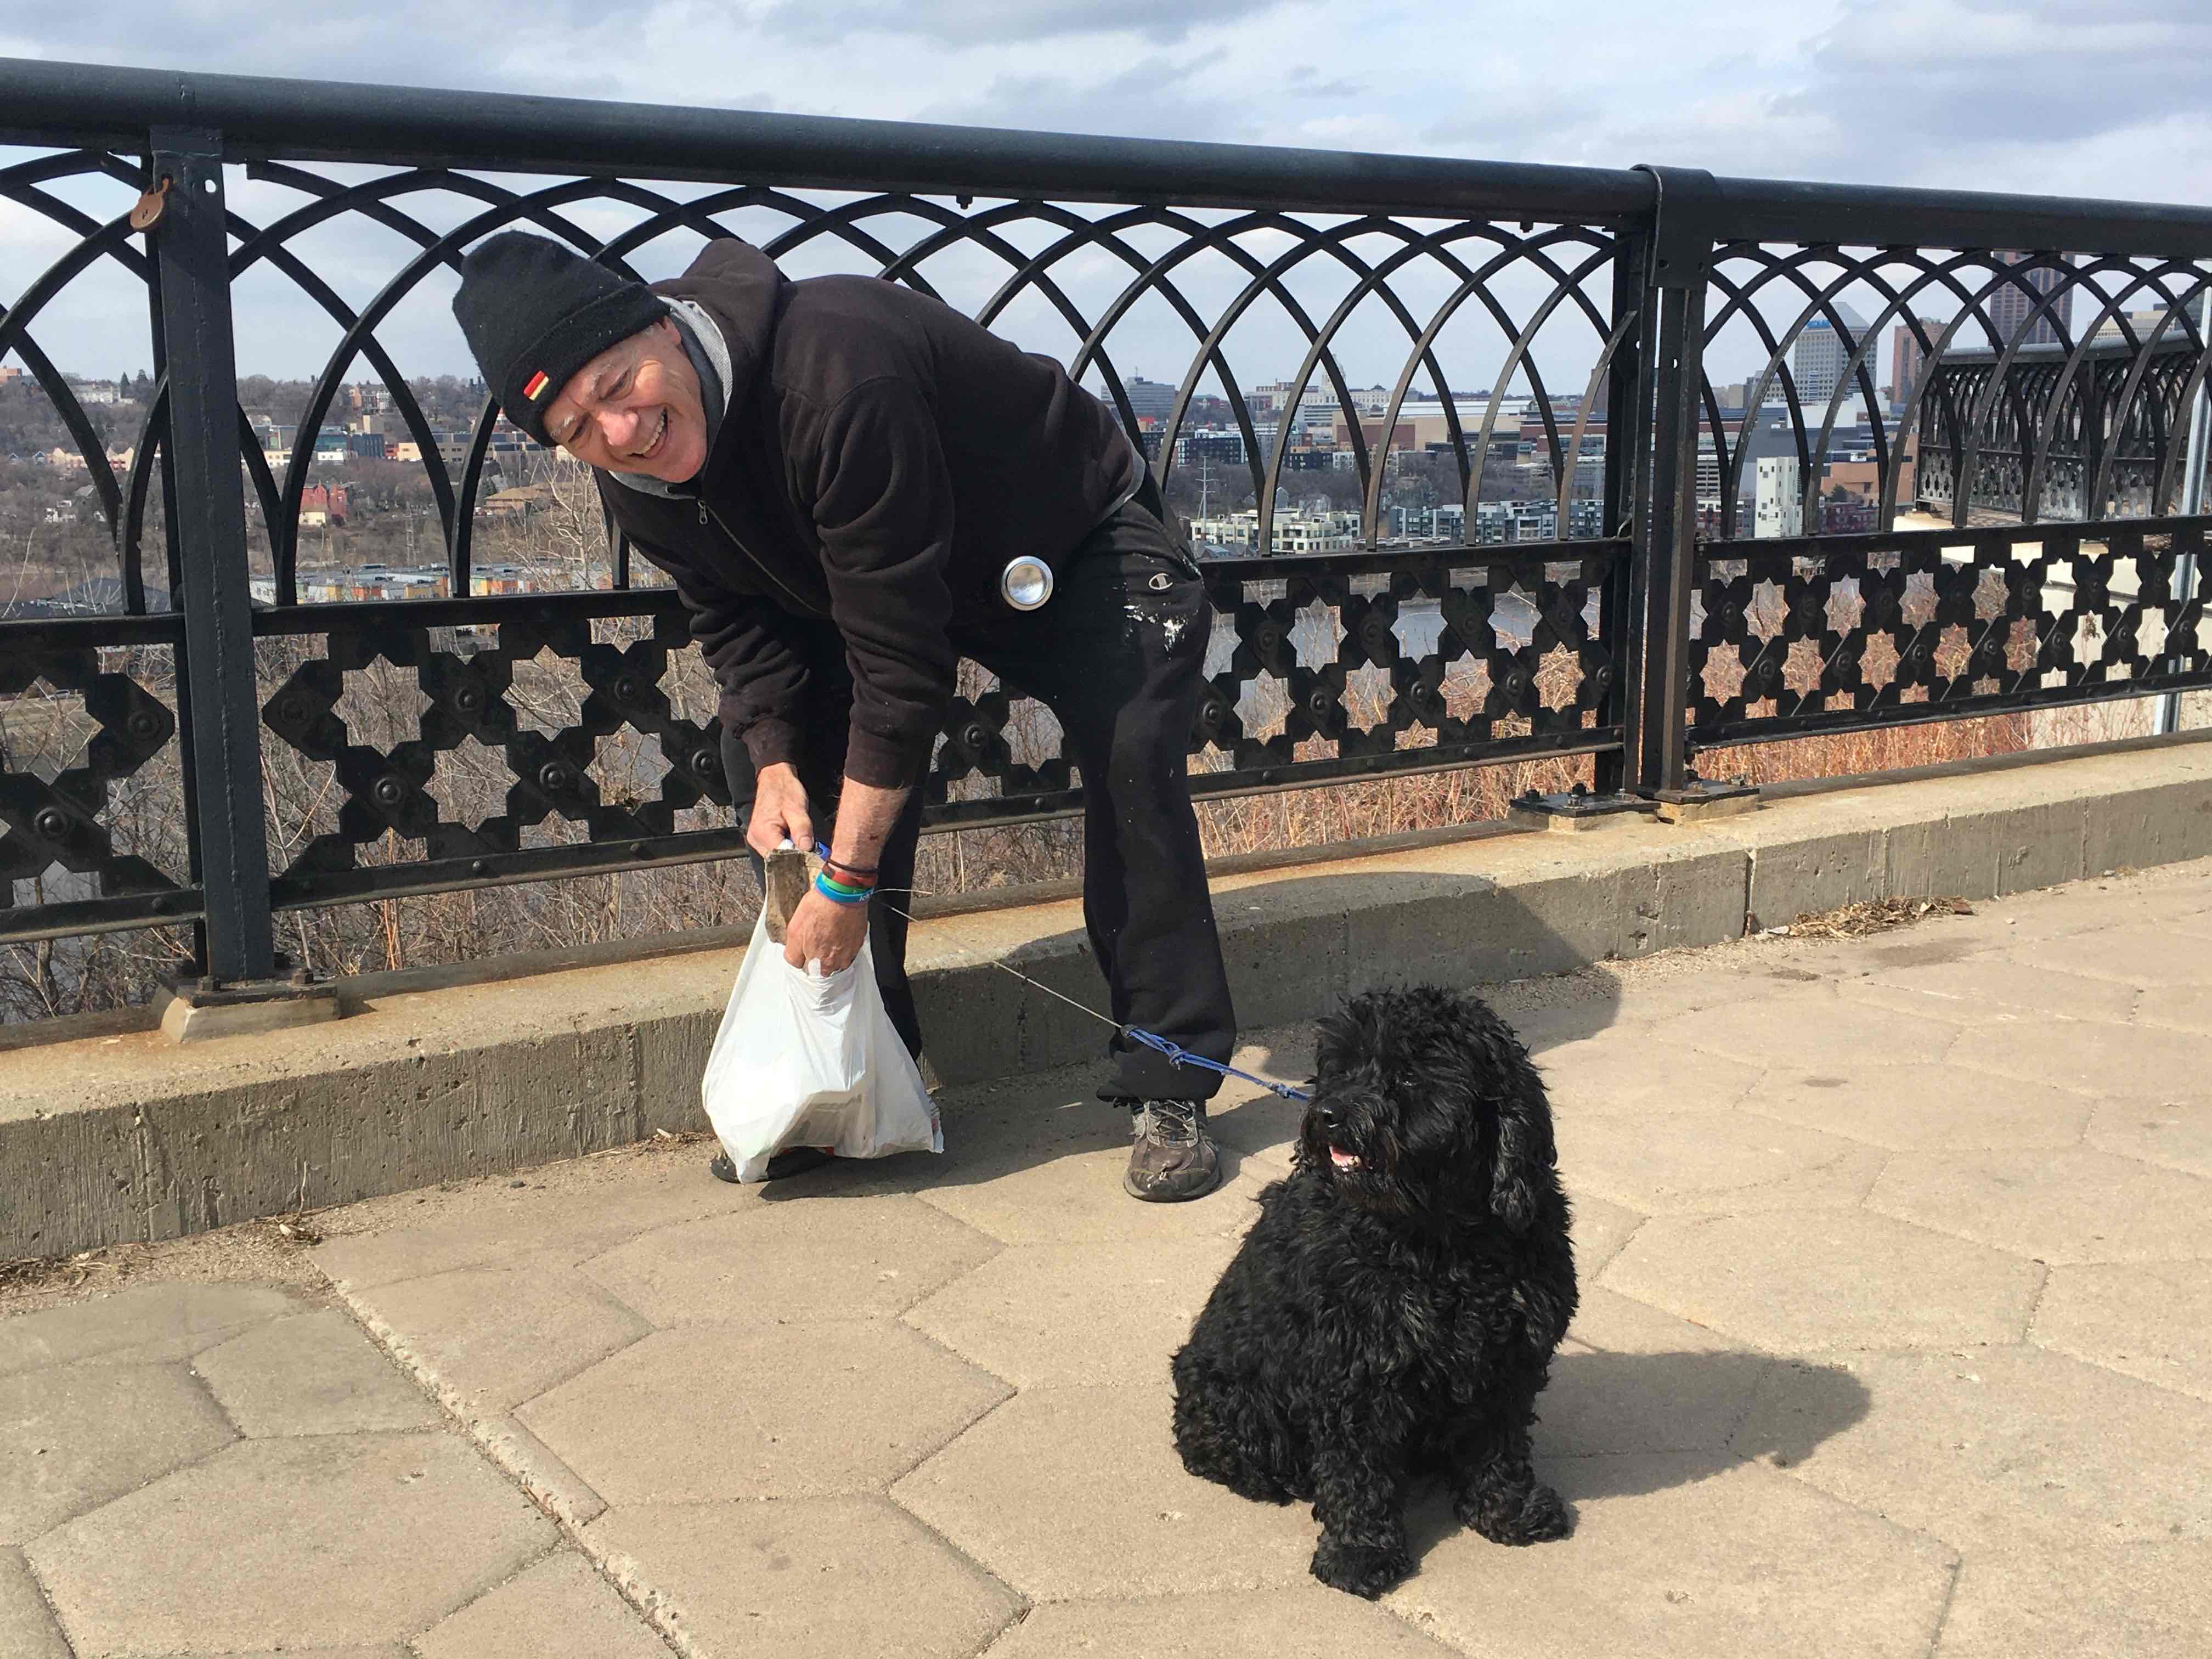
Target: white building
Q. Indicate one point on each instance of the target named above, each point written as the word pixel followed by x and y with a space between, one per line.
pixel 1292 532
pixel 1817 359
pixel 1779 510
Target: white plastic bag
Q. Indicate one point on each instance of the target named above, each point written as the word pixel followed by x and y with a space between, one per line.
pixel 806 1059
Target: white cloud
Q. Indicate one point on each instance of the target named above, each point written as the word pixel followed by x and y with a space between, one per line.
pixel 2031 95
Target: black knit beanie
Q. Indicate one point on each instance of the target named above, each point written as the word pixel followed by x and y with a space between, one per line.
pixel 534 312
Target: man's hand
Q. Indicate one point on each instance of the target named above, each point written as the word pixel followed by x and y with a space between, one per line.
pixel 780 813
pixel 823 931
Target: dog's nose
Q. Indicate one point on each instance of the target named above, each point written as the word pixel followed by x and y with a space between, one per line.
pixel 1326 1116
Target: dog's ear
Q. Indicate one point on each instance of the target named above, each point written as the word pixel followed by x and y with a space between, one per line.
pixel 1525 1157
pixel 1526 1153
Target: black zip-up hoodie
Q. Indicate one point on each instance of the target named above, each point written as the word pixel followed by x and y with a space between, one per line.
pixel 881 458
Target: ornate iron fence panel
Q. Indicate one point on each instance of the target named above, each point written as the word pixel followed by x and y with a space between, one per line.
pixel 1814 634
pixel 380 720
pixel 1543 406
pixel 90 795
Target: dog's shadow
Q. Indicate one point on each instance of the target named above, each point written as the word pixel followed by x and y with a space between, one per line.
pixel 1614 1424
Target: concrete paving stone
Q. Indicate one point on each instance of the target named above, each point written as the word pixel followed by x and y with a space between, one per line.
pixel 1968 991
pixel 500 1222
pixel 1826 1279
pixel 1261 1126
pixel 1683 1556
pixel 809 1578
pixel 2180 1007
pixel 2185 910
pixel 1817 1029
pixel 1630 1378
pixel 1284 1053
pixel 560 1608
pixel 556 1488
pixel 816 1258
pixel 1656 1002
pixel 2073 1205
pixel 1077 1198
pixel 76 1436
pixel 1546 1027
pixel 2144 956
pixel 1308 1623
pixel 2078 907
pixel 380 1651
pixel 1981 1447
pixel 1077 1312
pixel 2085 1054
pixel 712 1411
pixel 1036 1161
pixel 1600 1228
pixel 2151 1320
pixel 1068 1493
pixel 311 1374
pixel 1700 1162
pixel 490 1338
pixel 1618 1072
pixel 27 1629
pixel 2125 1602
pixel 141 1325
pixel 329 1540
pixel 1907 1107
pixel 2176 1133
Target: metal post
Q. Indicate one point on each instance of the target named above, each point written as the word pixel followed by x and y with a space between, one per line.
pixel 2168 715
pixel 1656 763
pixel 186 760
pixel 1625 413
pixel 207 537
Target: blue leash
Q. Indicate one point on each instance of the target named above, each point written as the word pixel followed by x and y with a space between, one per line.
pixel 1174 1052
pixel 1182 1056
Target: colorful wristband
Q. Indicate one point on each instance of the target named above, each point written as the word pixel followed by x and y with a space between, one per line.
pixel 838 893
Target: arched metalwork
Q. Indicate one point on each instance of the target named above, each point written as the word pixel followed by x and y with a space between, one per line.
pixel 1455 616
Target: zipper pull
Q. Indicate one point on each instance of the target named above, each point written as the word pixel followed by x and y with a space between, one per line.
pixel 702 512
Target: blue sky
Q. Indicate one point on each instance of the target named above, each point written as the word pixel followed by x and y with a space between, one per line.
pixel 2009 94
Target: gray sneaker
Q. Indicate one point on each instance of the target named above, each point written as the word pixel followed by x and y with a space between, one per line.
pixel 1172 1157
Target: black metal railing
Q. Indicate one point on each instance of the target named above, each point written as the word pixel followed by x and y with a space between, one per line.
pixel 1536 545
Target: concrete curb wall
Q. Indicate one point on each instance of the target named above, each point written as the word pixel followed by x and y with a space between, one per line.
pixel 119 1137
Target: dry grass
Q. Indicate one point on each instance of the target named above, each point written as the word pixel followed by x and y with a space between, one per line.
pixel 1872 916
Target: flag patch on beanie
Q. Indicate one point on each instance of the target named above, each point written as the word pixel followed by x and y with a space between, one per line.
pixel 535 385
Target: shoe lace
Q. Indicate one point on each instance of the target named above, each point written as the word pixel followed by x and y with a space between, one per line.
pixel 1170 1122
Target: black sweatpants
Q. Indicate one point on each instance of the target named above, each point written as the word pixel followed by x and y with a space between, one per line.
pixel 1118 654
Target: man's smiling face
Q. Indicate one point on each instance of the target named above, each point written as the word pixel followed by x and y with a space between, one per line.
pixel 635 408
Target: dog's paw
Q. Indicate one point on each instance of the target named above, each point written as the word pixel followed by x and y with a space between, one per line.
pixel 1360 1569
pixel 1537 1516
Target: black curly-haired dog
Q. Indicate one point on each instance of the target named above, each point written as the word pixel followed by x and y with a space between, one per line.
pixel 1393 1310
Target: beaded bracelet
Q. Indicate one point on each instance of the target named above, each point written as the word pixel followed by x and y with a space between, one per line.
pixel 838 893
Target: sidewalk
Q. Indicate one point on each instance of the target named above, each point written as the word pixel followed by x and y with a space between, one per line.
pixel 1896 1340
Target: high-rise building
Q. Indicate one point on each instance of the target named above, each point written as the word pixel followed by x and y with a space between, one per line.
pixel 1779 509
pixel 1905 357
pixel 1149 400
pixel 2009 304
pixel 1818 357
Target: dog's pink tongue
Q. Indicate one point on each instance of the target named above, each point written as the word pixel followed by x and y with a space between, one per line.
pixel 1342 1160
